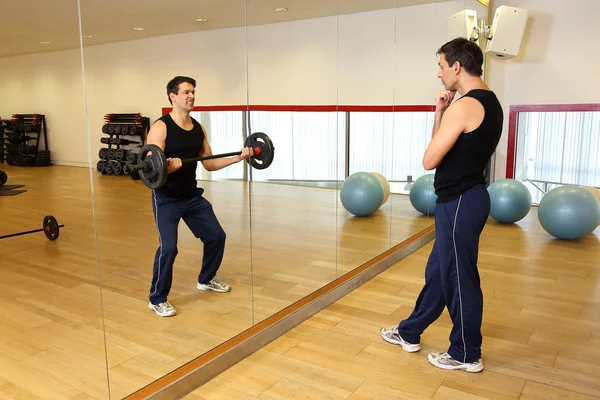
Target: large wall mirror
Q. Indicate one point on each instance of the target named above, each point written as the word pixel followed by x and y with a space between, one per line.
pixel 141 281
pixel 52 331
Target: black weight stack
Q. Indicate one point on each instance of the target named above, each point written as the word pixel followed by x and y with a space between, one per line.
pixel 126 134
pixel 20 141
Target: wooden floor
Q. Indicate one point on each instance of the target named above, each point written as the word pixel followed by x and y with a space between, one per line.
pixel 60 328
pixel 541 332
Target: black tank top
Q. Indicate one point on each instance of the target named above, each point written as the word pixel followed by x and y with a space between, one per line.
pixel 180 143
pixel 464 165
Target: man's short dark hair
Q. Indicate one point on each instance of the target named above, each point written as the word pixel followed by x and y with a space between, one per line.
pixel 173 85
pixel 467 53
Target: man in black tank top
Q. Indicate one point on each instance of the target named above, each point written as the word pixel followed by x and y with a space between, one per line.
pixel 465 135
pixel 181 137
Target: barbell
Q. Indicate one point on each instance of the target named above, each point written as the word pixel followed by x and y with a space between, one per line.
pixel 153 168
pixel 50 227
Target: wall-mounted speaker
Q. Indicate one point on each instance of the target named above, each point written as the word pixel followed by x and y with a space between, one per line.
pixel 462 24
pixel 507 32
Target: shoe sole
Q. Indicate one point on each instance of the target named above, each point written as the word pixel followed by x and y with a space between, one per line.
pixel 411 348
pixel 432 361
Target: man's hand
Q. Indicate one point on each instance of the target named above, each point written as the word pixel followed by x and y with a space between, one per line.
pixel 174 164
pixel 247 152
pixel 443 99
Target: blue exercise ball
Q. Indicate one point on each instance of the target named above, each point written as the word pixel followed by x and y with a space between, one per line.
pixel 422 195
pixel 569 212
pixel 362 194
pixel 510 200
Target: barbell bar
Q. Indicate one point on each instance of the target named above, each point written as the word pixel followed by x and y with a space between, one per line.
pixel 153 168
pixel 50 227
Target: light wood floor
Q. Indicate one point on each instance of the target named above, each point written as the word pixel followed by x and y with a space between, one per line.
pixel 57 321
pixel 541 332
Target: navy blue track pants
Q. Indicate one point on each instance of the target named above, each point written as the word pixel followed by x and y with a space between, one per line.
pixel 198 214
pixel 451 276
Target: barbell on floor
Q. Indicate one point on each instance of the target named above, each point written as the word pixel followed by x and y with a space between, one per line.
pixel 50 227
pixel 153 168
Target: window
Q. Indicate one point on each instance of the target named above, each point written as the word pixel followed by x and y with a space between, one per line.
pixel 308 145
pixel 391 143
pixel 225 130
pixel 557 148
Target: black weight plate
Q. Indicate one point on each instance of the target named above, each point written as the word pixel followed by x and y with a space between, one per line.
pixel 155 171
pixel 51 229
pixel 109 167
pixel 3 178
pixel 267 150
pixel 119 154
pixel 100 166
pixel 118 168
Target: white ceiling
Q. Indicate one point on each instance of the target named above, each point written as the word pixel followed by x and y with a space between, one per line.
pixel 26 23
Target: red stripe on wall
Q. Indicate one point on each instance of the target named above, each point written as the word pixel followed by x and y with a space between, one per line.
pixel 321 108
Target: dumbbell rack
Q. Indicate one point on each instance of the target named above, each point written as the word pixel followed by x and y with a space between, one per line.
pixel 123 130
pixel 4 126
pixel 16 137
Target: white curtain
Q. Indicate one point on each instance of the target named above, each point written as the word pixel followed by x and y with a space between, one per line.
pixel 225 131
pixel 392 144
pixel 558 148
pixel 312 145
pixel 308 145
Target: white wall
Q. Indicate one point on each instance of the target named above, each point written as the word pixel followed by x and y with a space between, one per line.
pixel 557 63
pixel 377 58
pixel 49 84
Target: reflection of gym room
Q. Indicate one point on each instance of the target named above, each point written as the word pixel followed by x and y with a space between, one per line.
pixel 273 199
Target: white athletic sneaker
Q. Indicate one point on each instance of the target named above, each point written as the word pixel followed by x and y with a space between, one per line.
pixel 163 309
pixel 215 285
pixel 391 335
pixel 444 361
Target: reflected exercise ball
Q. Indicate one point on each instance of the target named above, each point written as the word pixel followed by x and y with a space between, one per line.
pixel 569 212
pixel 361 194
pixel 510 200
pixel 385 184
pixel 596 194
pixel 422 195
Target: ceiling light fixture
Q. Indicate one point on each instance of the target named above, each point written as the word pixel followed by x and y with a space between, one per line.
pixel 140 29
pixel 280 9
pixel 86 36
pixel 201 19
pixel 45 42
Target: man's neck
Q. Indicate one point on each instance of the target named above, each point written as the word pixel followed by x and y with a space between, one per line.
pixel 181 117
pixel 470 84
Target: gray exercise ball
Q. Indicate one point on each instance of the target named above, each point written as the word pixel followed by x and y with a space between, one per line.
pixel 422 195
pixel 569 212
pixel 362 194
pixel 510 200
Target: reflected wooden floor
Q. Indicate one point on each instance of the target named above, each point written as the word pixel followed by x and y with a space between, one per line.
pixel 52 341
pixel 541 332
